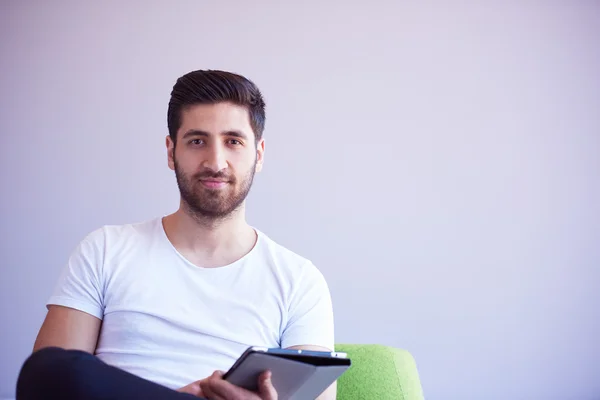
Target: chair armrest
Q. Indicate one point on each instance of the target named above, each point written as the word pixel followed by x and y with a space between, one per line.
pixel 379 372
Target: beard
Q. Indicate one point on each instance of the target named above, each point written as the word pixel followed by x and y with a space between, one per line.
pixel 213 204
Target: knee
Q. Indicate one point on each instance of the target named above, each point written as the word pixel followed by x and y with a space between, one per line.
pixel 45 370
pixel 40 359
pixel 47 360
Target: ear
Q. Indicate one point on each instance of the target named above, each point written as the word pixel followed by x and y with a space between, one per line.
pixel 170 152
pixel 260 155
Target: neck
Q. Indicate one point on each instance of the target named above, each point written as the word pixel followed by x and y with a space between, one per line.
pixel 208 242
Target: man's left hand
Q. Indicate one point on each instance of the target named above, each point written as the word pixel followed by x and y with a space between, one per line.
pixel 216 388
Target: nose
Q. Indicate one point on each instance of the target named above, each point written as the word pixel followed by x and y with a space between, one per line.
pixel 215 159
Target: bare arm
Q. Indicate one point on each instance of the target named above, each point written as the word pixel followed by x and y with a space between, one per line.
pixel 331 392
pixel 69 329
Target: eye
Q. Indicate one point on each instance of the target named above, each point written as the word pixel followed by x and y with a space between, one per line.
pixel 234 142
pixel 196 142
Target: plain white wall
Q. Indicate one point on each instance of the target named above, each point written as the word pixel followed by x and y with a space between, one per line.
pixel 440 163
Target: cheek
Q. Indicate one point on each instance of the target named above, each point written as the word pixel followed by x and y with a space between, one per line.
pixel 241 162
pixel 186 160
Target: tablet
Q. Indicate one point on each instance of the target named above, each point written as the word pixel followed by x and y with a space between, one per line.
pixel 296 374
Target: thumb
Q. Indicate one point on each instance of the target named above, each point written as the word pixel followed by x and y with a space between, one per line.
pixel 265 387
pixel 218 374
pixel 193 389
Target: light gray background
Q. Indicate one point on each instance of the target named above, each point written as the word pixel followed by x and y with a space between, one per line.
pixel 438 162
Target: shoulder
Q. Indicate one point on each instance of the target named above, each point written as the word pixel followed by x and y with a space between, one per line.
pixel 279 253
pixel 141 228
pixel 107 236
pixel 290 264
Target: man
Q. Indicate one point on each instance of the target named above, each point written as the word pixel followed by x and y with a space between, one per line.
pixel 145 310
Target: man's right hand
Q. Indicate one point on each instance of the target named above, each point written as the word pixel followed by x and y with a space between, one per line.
pixel 216 388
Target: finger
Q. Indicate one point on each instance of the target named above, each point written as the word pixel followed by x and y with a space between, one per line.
pixel 199 392
pixel 230 391
pixel 265 387
pixel 193 388
pixel 207 390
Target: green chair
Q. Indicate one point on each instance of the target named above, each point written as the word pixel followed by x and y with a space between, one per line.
pixel 379 373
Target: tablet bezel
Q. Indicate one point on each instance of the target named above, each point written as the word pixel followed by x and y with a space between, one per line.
pixel 309 356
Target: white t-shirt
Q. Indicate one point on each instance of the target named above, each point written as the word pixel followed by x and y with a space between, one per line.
pixel 171 322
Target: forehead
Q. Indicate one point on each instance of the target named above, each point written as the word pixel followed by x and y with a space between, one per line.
pixel 216 118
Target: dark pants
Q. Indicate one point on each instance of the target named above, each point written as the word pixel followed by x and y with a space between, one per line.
pixel 54 373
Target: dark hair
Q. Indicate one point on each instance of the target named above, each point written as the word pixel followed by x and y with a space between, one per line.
pixel 210 87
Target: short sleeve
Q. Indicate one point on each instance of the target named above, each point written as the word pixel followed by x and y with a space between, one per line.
pixel 310 315
pixel 79 285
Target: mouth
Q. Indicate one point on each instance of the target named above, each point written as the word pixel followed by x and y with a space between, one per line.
pixel 213 183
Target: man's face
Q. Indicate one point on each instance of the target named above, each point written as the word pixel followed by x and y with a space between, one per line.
pixel 215 158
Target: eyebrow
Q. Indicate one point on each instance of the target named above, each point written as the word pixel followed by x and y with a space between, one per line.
pixel 197 132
